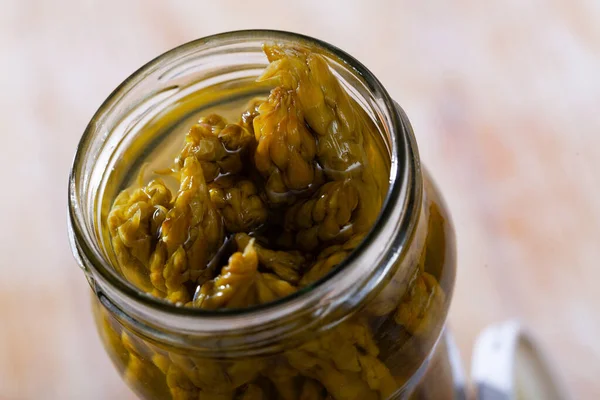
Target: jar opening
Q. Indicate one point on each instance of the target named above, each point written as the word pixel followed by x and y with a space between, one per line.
pixel 388 235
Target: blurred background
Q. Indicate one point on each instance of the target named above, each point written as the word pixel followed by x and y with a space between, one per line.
pixel 504 99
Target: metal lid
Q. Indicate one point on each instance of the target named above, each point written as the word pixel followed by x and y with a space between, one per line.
pixel 509 365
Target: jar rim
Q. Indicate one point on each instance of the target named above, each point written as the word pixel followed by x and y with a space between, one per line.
pixel 404 157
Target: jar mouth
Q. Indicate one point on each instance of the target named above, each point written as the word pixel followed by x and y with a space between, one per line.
pixel 401 193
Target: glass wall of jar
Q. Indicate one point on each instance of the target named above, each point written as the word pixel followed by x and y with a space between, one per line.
pixel 371 328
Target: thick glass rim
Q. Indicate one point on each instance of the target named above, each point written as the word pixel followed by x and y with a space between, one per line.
pixel 399 128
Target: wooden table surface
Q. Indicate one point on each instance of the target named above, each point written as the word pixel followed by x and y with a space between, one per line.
pixel 504 99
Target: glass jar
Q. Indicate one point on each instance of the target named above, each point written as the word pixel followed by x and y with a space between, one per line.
pixel 373 328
